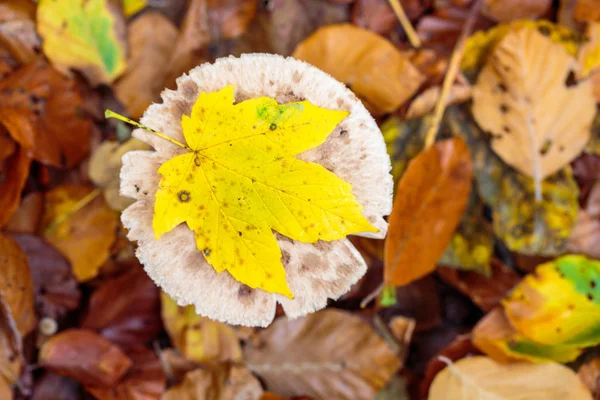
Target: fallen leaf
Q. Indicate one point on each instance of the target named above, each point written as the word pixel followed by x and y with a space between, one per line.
pixel 538 120
pixel 145 380
pixel 246 175
pixel 56 289
pixel 221 383
pixel 559 303
pixel 585 237
pixel 524 225
pixel 329 354
pixel 104 166
pixel 404 139
pixel 83 235
pixel 374 15
pixel 42 110
pixel 132 7
pixel 150 41
pixel 125 310
pixel 17 33
pixel 495 336
pixel 16 285
pixel 486 292
pixel 87 35
pixel 176 365
pixel 11 352
pixel 54 386
pixel 587 10
pixel 28 215
pixel 420 301
pixel 198 338
pixel 84 356
pixel 481 377
pixel 589 373
pixel 511 10
pixel 370 65
pixel 424 217
pixel 589 53
pixel 14 171
pixel 426 101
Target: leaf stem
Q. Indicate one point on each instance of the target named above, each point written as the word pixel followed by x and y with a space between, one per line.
pixel 112 114
pixel 451 73
pixel 413 38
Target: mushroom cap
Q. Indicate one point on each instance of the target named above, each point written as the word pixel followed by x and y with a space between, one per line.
pixel 355 151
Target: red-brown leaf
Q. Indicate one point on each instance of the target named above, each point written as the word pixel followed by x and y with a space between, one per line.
pixel 86 357
pixel 430 200
pixel 14 170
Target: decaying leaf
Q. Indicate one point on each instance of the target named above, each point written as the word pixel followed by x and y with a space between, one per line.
pixel 56 289
pixel 243 179
pixel 495 336
pixel 199 338
pixel 370 65
pixel 42 111
pixel 329 354
pixel 11 355
pixel 51 385
pixel 589 373
pixel 87 35
pixel 14 170
pixel 559 304
pixel 104 167
pixel 404 139
pixel 424 216
pixel 585 238
pixel 83 235
pixel 84 356
pixel 150 41
pixel 426 101
pixel 17 32
pixel 539 121
pixel 524 225
pixel 220 383
pixel 510 10
pixel 374 15
pixel 587 10
pixel 125 310
pixel 16 285
pixel 482 378
pixel 28 216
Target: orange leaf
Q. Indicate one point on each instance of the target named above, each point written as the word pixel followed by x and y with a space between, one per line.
pixel 84 356
pixel 431 198
pixel 13 173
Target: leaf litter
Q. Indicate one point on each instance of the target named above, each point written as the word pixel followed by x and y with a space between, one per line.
pixel 511 176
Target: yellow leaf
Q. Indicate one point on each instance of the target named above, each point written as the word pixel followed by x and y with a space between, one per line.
pixel 589 54
pixel 199 338
pixel 482 378
pixel 131 7
pixel 538 122
pixel 240 179
pixel 87 35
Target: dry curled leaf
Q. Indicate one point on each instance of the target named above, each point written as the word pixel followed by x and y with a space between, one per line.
pixel 329 354
pixel 125 310
pixel 425 215
pixel 42 110
pixel 150 40
pixel 371 66
pixel 55 287
pixel 539 120
pixel 16 285
pixel 86 357
pixel 83 235
pixel 512 10
pixel 198 338
pixel 481 377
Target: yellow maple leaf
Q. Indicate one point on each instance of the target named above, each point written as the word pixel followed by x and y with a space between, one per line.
pixel 240 180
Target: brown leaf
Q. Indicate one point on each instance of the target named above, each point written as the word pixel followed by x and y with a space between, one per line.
pixel 16 285
pixel 55 287
pixel 17 32
pixel 486 292
pixel 589 373
pixel 512 10
pixel 84 356
pixel 42 111
pixel 587 10
pixel 220 383
pixel 11 356
pixel 426 101
pixel 431 197
pixel 371 66
pixel 83 235
pixel 52 386
pixel 5 390
pixel 481 377
pixel 585 236
pixel 198 338
pixel 145 380
pixel 330 354
pixel 27 217
pixel 175 365
pixel 150 42
pixel 125 310
pixel 374 15
pixel 13 174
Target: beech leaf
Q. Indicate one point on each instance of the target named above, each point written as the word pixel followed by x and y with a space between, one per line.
pixel 240 179
pixel 539 121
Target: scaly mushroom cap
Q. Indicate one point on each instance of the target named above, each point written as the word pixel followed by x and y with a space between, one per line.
pixel 315 272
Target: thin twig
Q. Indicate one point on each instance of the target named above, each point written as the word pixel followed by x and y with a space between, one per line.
pixel 451 73
pixel 365 302
pixel 78 206
pixel 413 38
